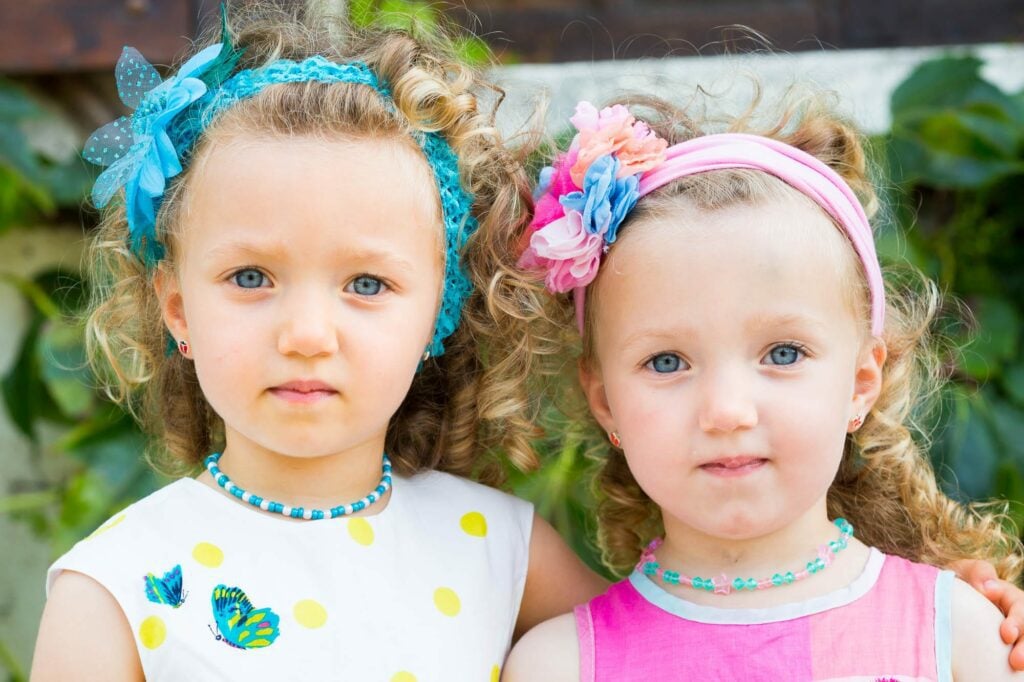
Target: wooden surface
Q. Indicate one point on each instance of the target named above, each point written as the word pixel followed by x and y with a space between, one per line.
pixel 62 36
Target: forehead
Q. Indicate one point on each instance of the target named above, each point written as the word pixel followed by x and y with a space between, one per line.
pixel 314 194
pixel 780 258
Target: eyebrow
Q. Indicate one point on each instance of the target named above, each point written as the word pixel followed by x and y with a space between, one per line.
pixel 279 251
pixel 755 324
pixel 769 321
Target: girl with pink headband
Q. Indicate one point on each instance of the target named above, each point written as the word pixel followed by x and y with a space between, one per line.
pixel 760 386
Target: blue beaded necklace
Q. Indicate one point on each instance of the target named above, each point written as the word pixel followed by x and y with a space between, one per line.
pixel 299 512
pixel 649 566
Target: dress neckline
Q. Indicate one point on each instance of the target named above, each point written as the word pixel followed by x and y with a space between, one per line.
pixel 666 601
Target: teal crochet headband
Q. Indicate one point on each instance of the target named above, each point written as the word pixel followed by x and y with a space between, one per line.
pixel 148 148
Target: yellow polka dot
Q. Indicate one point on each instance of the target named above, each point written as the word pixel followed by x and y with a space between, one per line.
pixel 310 614
pixel 403 677
pixel 152 632
pixel 208 555
pixel 446 601
pixel 107 526
pixel 495 674
pixel 474 524
pixel 361 531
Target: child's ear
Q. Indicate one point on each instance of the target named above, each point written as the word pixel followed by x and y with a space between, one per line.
pixel 172 306
pixel 867 379
pixel 593 388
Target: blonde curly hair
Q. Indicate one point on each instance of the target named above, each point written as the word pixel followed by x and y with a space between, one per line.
pixel 458 413
pixel 885 485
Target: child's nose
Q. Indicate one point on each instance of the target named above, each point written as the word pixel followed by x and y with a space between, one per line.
pixel 727 401
pixel 309 327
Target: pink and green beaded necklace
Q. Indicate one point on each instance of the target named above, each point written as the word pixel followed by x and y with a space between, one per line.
pixel 721 584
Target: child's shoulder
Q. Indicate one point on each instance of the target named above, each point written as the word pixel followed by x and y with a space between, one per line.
pixel 136 534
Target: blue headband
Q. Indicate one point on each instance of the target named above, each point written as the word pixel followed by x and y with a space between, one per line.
pixel 144 151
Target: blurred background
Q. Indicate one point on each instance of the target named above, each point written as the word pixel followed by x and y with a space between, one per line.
pixel 938 84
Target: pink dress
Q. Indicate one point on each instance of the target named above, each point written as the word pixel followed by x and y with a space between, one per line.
pixel 891 624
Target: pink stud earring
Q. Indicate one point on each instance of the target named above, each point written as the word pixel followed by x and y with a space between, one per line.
pixel 183 347
pixel 856 422
pixel 613 438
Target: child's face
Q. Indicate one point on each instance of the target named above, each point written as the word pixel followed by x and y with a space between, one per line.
pixel 730 362
pixel 308 279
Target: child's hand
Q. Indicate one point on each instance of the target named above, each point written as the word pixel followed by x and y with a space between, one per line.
pixel 981 575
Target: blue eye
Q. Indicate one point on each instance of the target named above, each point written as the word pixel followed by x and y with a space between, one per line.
pixel 365 285
pixel 665 363
pixel 785 354
pixel 249 278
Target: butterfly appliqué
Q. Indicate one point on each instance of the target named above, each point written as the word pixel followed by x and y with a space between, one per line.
pixel 166 590
pixel 239 624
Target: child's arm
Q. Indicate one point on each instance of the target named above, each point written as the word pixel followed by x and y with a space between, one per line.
pixel 556 579
pixel 84 635
pixel 978 653
pixel 981 575
pixel 549 652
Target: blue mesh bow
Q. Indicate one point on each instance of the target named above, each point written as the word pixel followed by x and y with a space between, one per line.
pixel 144 151
pixel 138 151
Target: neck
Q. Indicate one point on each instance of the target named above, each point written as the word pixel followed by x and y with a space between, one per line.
pixel 789 548
pixel 321 481
pixel 786 548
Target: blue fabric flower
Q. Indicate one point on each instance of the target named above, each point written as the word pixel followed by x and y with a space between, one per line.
pixel 138 151
pixel 605 200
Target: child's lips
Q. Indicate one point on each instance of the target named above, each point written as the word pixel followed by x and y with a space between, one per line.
pixel 730 467
pixel 303 391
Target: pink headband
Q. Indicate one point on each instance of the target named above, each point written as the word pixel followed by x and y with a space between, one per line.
pixel 594 192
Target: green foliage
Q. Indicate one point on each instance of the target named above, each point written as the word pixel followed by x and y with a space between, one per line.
pixel 956 154
pixel 420 18
pixel 32 183
pixel 96 460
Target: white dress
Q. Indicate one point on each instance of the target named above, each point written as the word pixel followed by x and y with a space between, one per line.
pixel 425 591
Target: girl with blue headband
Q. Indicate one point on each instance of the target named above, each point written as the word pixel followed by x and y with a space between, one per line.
pixel 294 212
pixel 758 383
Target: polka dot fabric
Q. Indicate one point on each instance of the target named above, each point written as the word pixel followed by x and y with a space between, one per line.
pixel 426 590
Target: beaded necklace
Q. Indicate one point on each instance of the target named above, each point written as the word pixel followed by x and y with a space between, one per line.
pixel 721 584
pixel 299 512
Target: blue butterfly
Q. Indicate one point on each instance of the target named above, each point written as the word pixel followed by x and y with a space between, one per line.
pixel 166 590
pixel 238 623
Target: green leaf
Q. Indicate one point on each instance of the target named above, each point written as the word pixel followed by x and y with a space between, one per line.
pixel 361 12
pixel 1009 485
pixel 407 15
pixel 996 340
pixel 1013 382
pixel 34 294
pixel 967 449
pixel 21 388
pixel 64 369
pixel 16 103
pixel 473 51
pixel 949 83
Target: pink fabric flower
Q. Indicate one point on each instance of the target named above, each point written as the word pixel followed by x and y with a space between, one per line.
pixel 548 207
pixel 613 130
pixel 566 251
pixel 642 152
